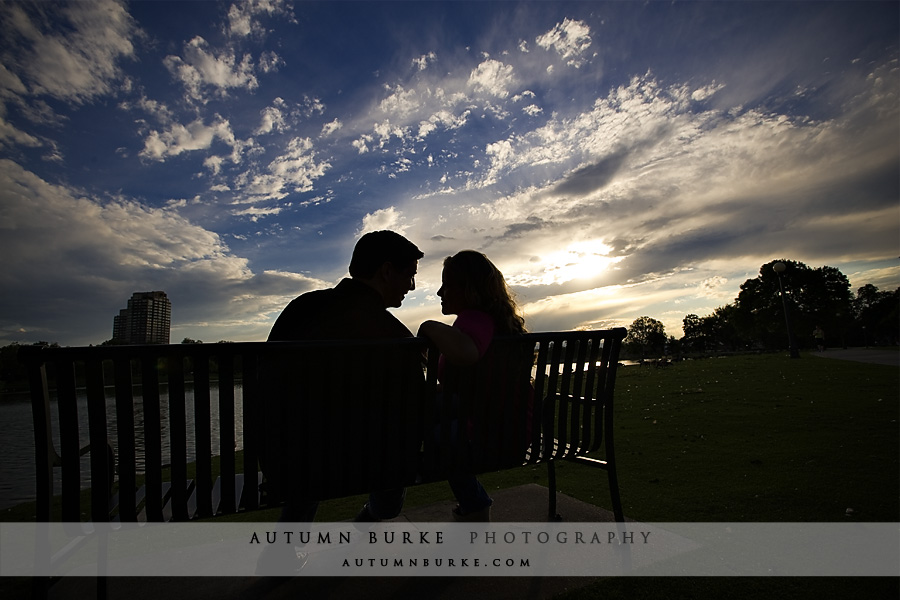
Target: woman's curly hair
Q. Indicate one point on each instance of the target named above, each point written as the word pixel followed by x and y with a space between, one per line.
pixel 486 289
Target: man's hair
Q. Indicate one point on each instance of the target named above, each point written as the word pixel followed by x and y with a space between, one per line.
pixel 378 247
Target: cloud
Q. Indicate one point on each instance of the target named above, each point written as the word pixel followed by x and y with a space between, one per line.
pixel 202 68
pixel 197 135
pixel 570 39
pixel 243 16
pixel 385 218
pixel 12 137
pixel 82 257
pixel 76 61
pixel 295 170
pixel 272 119
pixel 681 199
pixel 492 77
pixel 331 128
pixel 422 62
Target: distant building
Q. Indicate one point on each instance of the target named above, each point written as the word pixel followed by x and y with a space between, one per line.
pixel 146 320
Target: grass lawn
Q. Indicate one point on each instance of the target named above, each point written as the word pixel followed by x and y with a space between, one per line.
pixel 745 438
pixel 757 438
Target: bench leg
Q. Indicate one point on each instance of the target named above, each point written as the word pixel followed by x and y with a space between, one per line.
pixel 614 494
pixel 552 515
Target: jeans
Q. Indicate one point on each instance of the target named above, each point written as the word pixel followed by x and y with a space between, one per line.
pixel 469 492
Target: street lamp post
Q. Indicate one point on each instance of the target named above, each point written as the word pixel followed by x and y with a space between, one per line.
pixel 779 268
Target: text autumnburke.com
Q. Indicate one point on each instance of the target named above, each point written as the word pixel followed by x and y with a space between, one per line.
pixel 437 537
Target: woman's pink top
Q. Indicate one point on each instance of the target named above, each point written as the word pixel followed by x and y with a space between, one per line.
pixel 479 326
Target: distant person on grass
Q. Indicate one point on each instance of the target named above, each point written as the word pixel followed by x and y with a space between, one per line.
pixel 819 334
pixel 474 290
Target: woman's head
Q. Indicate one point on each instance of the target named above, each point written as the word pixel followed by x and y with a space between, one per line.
pixel 471 281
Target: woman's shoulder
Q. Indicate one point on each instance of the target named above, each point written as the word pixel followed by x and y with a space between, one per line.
pixel 475 316
pixel 478 325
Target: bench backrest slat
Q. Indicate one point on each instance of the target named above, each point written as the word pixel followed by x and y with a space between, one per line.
pixel 43 444
pixel 152 418
pixel 252 400
pixel 227 436
pixel 203 435
pixel 101 470
pixel 177 436
pixel 70 441
pixel 125 449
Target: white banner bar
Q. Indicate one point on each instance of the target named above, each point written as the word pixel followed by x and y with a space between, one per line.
pixel 450 549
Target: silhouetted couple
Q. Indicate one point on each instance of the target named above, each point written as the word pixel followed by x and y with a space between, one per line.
pixel 382 271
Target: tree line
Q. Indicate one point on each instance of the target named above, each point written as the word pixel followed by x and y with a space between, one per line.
pixel 814 297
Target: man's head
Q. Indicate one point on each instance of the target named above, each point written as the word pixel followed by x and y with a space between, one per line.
pixel 387 261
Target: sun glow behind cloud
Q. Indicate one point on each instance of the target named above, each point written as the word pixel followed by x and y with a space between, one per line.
pixel 580 260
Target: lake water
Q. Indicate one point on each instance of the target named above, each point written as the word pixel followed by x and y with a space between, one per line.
pixel 17 478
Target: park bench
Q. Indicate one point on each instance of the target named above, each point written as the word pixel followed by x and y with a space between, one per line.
pixel 179 432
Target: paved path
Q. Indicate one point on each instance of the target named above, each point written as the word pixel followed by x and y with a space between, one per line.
pixel 878 356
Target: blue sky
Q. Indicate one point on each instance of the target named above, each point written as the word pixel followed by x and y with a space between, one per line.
pixel 614 159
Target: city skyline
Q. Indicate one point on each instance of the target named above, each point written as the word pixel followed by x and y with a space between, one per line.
pixel 614 159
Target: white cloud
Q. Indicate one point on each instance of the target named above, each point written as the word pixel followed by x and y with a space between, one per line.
pixel 331 128
pixel 422 62
pixel 203 68
pixel 401 102
pixel 243 16
pixel 703 93
pixel 570 39
pixel 362 144
pixel 76 63
pixel 269 62
pixel 255 212
pixel 386 218
pixel 295 170
pixel 272 120
pixel 186 138
pixel 12 137
pixel 10 83
pixel 492 77
pixel 311 106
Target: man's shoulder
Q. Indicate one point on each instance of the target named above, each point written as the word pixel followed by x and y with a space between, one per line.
pixel 313 297
pixel 348 310
pixel 298 318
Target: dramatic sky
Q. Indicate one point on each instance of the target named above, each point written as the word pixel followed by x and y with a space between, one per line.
pixel 613 159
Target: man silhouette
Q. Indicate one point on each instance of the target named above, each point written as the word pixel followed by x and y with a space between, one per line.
pixel 382 271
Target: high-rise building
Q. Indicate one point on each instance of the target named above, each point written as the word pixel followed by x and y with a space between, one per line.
pixel 146 320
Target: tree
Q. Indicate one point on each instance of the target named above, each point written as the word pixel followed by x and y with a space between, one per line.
pixel 721 329
pixel 646 334
pixel 694 340
pixel 875 315
pixel 814 296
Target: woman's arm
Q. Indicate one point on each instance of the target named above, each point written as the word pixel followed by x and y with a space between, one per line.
pixel 453 343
